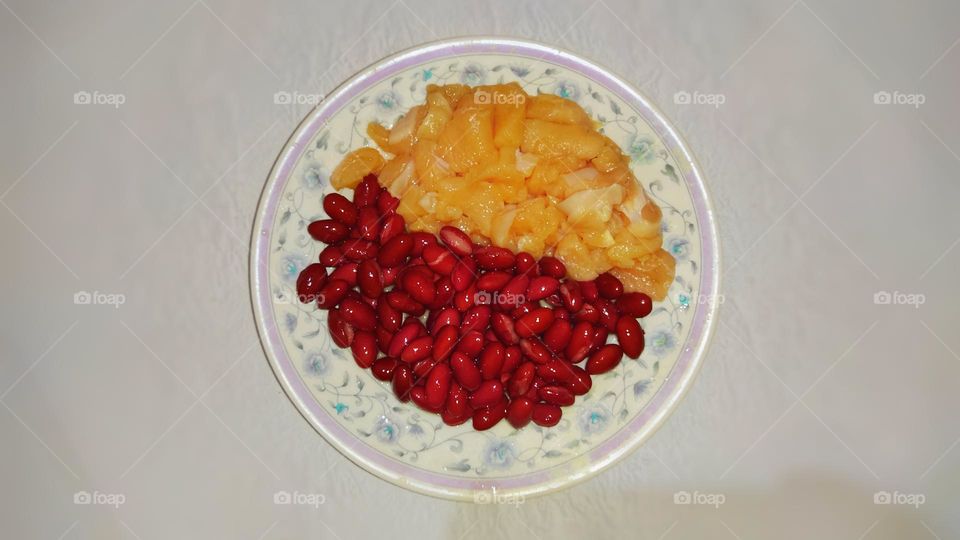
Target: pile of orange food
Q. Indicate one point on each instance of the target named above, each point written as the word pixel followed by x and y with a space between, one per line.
pixel 528 173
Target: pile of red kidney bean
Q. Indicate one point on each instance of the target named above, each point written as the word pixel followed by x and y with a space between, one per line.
pixel 469 332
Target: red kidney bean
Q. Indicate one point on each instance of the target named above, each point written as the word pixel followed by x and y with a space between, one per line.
pixel 546 415
pixel 463 300
pixel 447 316
pixel 494 258
pixel 556 395
pixel 383 338
pixel 533 393
pixel 407 333
pixel 341 331
pixel 465 371
pixel 366 192
pixel 403 302
pixel 331 256
pixel 418 286
pixel 402 382
pixel 396 250
pixel 609 286
pixel 332 293
pixel 581 340
pixel 369 278
pixel 541 287
pixel 589 313
pixel 310 281
pixel 491 361
pixel 556 371
pixel 535 351
pixel 417 350
pixel 420 241
pixel 389 275
pixel 489 393
pixel 630 336
pixel 422 367
pixel 589 291
pixel 358 314
pixel 389 317
pixel 383 368
pixel 553 267
pixel 475 318
pixel 600 335
pixel 347 271
pixel 438 385
pixel 604 359
pixel 457 409
pixel 456 240
pixel 386 203
pixel 328 231
pixel 519 383
pixel 392 226
pixel 339 208
pixel 524 263
pixel 570 294
pixel 535 322
pixel 446 341
pixel 493 281
pixel 440 259
pixel 487 417
pixel 635 304
pixel 418 394
pixel 463 274
pixel 514 292
pixel 364 349
pixel 368 223
pixel 503 326
pixel 558 335
pixel 519 412
pixel 512 356
pixel 609 314
pixel 471 343
pixel 444 293
pixel 580 382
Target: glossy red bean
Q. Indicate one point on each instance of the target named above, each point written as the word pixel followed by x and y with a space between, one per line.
pixel 512 356
pixel 422 367
pixel 386 203
pixel 310 281
pixel 390 275
pixel 609 314
pixel 630 336
pixel 635 304
pixel 331 256
pixel 489 393
pixel 465 371
pixel 536 351
pixel 417 350
pixel 494 258
pixel 471 343
pixel 393 225
pixel 403 302
pixel 589 313
pixel 358 313
pixel 448 316
pixel 418 394
pixel 493 280
pixel 475 318
pixel 589 291
pixel 600 335
pixel 383 338
pixel 402 382
pixel 546 415
pixel 556 395
pixel 407 333
pixel 503 326
pixel 519 383
pixel 444 293
pixel 368 223
pixel 571 297
pixel 558 335
pixel 328 231
pixel 519 412
pixel 438 385
pixel 491 361
pixel 347 271
pixel 366 192
pixel 370 278
pixel 604 359
pixel 487 417
pixel 364 349
pixel 535 322
pixel 465 299
pixel 388 317
pixel 341 331
pixel 608 286
pixel 553 267
pixel 383 368
pixel 339 208
pixel 446 341
pixel 457 408
pixel 418 286
pixel 456 240
pixel 463 274
pixel 396 250
pixel 556 371
pixel 332 293
pixel 579 382
pixel 513 293
pixel 525 263
pixel 420 241
pixel 541 287
pixel 440 259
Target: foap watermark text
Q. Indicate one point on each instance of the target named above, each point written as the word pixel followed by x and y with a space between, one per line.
pixel 97 298
pixel 299 499
pixel 102 499
pixel 699 498
pixel 99 98
pixel 897 97
pixel 896 497
pixel 699 98
pixel 897 298
pixel 283 97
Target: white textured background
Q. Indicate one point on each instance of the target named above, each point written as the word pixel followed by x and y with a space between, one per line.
pixel 812 398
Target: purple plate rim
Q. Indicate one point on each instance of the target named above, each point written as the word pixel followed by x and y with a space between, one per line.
pixel 627 438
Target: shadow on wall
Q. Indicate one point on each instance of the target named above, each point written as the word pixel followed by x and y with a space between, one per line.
pixel 804 506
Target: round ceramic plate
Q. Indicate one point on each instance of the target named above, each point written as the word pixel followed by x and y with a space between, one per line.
pixel 398 442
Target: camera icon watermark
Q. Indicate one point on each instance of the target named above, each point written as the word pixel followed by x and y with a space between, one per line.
pixel 299 499
pixel 103 499
pixel 698 498
pixel 887 298
pixel 492 497
pixel 96 97
pixel 483 97
pixel 84 298
pixel 907 499
pixel 684 97
pixel 283 97
pixel 484 298
pixel 897 97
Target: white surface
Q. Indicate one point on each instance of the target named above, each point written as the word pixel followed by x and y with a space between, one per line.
pixel 812 398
